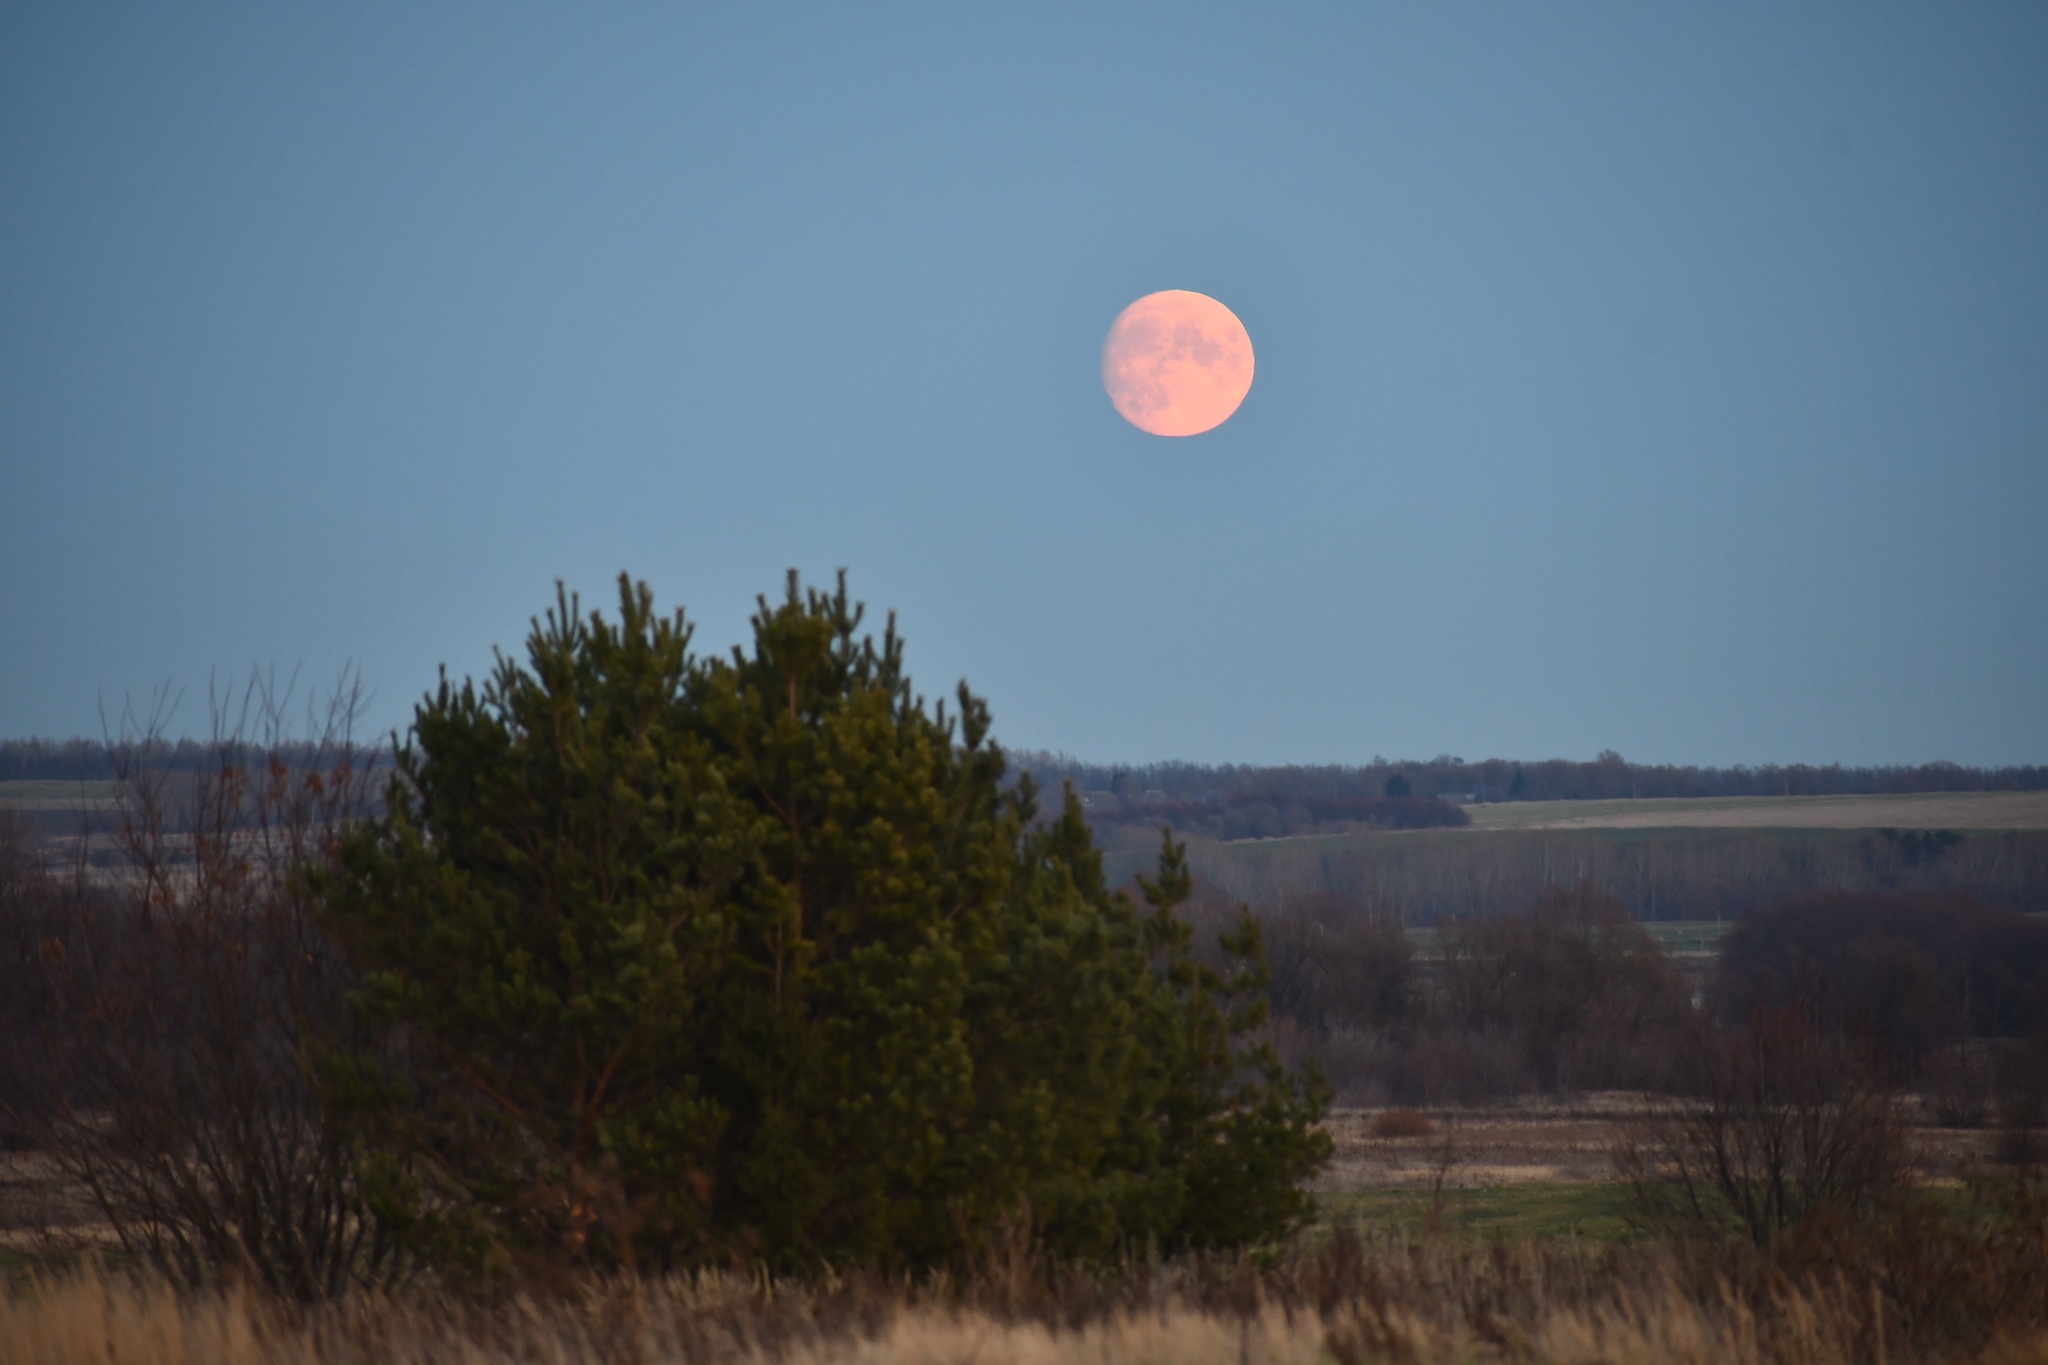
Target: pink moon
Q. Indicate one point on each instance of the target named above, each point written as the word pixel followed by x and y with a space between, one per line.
pixel 1177 363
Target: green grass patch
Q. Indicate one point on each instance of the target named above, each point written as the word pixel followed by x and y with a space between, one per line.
pixel 1595 1211
pixel 1672 935
pixel 57 796
pixel 1687 935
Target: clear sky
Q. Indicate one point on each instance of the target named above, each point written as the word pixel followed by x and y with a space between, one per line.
pixel 1665 378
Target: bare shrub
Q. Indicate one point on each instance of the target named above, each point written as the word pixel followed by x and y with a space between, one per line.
pixel 1425 1068
pixel 2022 1147
pixel 1358 1065
pixel 1787 1125
pixel 1401 1123
pixel 1456 1067
pixel 1912 974
pixel 182 997
pixel 1958 1087
pixel 2023 1104
pixel 1338 962
pixel 1591 999
pixel 1568 995
pixel 31 897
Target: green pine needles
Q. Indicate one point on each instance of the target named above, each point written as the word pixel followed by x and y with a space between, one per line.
pixel 669 961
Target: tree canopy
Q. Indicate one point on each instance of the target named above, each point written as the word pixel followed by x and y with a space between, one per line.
pixel 677 959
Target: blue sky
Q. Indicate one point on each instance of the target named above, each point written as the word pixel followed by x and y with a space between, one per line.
pixel 1659 378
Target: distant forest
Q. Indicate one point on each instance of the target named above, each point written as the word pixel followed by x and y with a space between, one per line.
pixel 1607 777
pixel 1244 802
pixel 89 760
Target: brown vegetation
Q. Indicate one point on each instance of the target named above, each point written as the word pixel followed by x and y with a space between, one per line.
pixel 1402 1123
pixel 1585 995
pixel 1569 994
pixel 176 1003
pixel 1430 877
pixel 1972 1285
pixel 1907 974
pixel 1785 1128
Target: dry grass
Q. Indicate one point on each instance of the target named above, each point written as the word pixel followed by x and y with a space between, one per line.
pixel 1346 1299
pixel 90 1323
pixel 1535 1141
pixel 93 1323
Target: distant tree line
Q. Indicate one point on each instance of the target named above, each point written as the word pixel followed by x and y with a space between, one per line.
pixel 1936 992
pixel 1568 994
pixel 1607 777
pixel 1429 878
pixel 93 760
pixel 1272 814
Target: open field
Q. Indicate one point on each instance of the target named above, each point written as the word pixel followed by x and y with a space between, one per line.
pixel 1688 942
pixel 1508 1144
pixel 54 810
pixel 54 798
pixel 1543 1142
pixel 1686 938
pixel 1531 1167
pixel 1595 1211
pixel 1915 810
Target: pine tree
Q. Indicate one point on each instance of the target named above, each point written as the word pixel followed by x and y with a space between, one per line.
pixel 680 960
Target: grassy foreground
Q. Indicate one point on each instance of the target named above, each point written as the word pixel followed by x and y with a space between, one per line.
pixel 1343 1298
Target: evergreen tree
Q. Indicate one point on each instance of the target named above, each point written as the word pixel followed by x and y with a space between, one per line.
pixel 679 960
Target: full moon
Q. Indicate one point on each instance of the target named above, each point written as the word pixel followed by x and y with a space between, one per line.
pixel 1177 363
